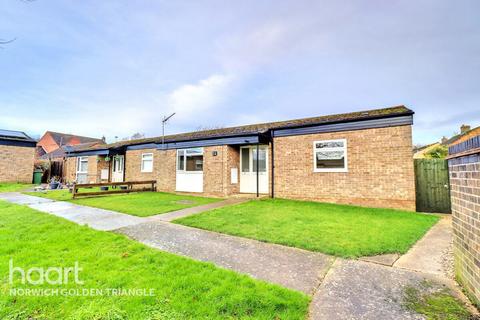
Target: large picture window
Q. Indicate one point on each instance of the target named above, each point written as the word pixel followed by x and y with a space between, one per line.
pixel 190 160
pixel 147 162
pixel 330 156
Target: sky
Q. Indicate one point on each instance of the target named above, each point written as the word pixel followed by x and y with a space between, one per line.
pixel 115 68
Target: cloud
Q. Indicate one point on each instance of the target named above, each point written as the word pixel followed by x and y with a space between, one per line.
pixel 193 101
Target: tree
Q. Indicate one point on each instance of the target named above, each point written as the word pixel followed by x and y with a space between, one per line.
pixel 438 152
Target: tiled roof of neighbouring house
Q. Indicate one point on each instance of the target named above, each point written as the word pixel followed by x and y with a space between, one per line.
pixel 264 127
pixel 64 138
pixel 62 151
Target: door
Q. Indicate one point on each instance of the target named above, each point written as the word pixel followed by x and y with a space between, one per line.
pixel 118 167
pixel 432 185
pixel 248 172
pixel 81 175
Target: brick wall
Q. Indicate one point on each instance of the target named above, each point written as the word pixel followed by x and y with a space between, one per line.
pixel 133 165
pixel 464 170
pixel 16 164
pixel 95 165
pixel 166 170
pixel 380 169
pixel 69 169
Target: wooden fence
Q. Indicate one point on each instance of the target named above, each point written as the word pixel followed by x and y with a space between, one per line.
pixel 432 185
pixel 128 188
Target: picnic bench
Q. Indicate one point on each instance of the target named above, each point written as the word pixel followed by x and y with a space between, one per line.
pixel 128 187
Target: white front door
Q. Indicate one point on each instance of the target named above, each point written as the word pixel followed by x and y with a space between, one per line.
pixel 248 169
pixel 189 170
pixel 118 167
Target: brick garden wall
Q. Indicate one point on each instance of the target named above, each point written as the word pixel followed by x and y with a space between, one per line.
pixel 464 167
pixel 380 169
pixel 16 164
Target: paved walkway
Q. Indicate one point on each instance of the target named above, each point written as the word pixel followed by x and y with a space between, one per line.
pixel 292 268
pixel 98 219
pixel 170 216
pixel 428 254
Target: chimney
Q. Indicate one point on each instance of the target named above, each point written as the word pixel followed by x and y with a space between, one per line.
pixel 104 139
pixel 464 128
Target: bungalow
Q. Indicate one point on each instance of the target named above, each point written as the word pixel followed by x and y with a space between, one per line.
pixel 17 153
pixel 362 158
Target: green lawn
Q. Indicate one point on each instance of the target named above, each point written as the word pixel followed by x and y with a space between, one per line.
pixel 340 230
pixel 13 187
pixel 142 204
pixel 183 288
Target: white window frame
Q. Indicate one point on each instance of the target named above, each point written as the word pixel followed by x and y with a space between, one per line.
pixel 344 149
pixel 142 162
pixel 79 160
pixel 184 155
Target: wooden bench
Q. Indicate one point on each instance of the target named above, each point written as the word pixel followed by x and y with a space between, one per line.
pixel 152 187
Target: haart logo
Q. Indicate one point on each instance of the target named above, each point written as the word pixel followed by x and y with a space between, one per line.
pixel 51 275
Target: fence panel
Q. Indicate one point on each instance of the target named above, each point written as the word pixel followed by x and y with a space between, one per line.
pixel 432 185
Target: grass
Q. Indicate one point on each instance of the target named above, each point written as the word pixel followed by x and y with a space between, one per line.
pixel 339 230
pixel 184 289
pixel 440 305
pixel 142 204
pixel 13 187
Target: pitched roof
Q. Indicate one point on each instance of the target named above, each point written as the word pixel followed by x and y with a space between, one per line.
pixel 15 136
pixel 64 138
pixel 264 127
pixel 462 136
pixel 63 150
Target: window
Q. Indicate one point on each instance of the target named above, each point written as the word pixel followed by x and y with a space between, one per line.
pixel 245 159
pixel 262 160
pixel 330 156
pixel 190 160
pixel 147 162
pixel 82 164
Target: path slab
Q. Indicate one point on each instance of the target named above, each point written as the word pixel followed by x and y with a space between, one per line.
pixel 427 255
pixel 355 289
pixel 383 259
pixel 292 268
pixel 98 219
pixel 170 216
pixel 23 199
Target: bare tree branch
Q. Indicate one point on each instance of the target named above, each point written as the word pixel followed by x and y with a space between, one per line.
pixel 3 42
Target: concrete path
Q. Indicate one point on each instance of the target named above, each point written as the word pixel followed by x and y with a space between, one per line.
pixel 428 254
pixel 355 289
pixel 98 219
pixel 292 268
pixel 170 216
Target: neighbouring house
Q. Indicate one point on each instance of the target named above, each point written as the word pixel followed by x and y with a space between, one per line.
pixel 466 132
pixel 52 149
pixel 53 141
pixel 362 158
pixel 17 154
pixel 464 168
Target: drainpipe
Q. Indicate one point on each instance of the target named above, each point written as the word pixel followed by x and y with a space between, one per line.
pixel 258 178
pixel 273 164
